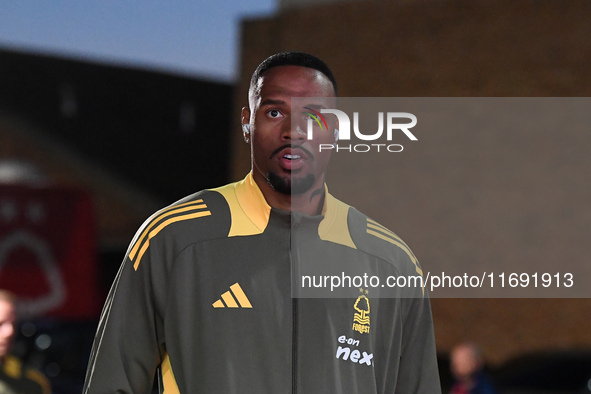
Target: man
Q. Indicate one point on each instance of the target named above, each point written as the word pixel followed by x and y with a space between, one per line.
pixel 14 378
pixel 467 367
pixel 204 296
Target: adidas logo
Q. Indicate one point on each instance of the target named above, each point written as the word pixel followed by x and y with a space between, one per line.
pixel 230 297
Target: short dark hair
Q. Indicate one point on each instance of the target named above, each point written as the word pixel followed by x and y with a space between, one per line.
pixel 293 58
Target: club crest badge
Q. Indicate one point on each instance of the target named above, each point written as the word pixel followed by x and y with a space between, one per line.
pixel 361 317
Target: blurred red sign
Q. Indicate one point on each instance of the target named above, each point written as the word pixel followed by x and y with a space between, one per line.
pixel 48 251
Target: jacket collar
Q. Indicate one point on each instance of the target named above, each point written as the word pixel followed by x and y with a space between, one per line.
pixel 253 204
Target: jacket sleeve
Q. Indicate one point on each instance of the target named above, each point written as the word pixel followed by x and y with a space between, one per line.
pixel 418 372
pixel 128 345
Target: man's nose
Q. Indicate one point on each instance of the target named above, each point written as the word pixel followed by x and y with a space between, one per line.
pixel 293 131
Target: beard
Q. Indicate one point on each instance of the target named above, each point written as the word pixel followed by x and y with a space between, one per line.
pixel 287 185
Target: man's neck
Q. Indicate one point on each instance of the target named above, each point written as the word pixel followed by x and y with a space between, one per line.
pixel 310 203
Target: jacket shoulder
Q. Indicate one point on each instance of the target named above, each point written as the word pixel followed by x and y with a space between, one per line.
pixel 373 238
pixel 200 216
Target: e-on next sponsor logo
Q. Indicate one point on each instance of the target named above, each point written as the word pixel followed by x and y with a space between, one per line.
pixel 350 353
pixel 344 132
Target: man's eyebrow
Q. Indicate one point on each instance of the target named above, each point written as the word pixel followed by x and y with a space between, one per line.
pixel 315 106
pixel 273 102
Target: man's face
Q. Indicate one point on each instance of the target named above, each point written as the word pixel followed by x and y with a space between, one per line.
pixel 281 156
pixel 7 319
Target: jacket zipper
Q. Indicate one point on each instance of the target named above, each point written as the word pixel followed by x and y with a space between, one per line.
pixel 293 258
pixel 294 346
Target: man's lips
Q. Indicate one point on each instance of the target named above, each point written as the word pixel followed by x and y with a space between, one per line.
pixel 292 157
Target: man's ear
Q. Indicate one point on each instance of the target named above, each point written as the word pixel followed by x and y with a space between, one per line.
pixel 245 120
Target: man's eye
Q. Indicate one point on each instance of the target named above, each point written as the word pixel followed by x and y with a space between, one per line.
pixel 274 113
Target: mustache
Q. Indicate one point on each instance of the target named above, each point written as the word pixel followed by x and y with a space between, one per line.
pixel 300 147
